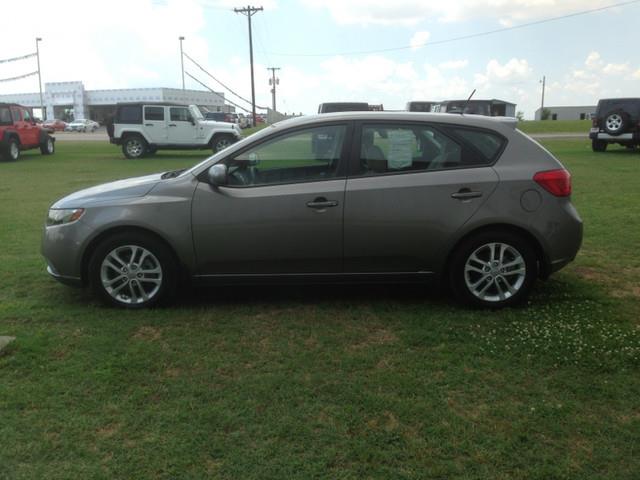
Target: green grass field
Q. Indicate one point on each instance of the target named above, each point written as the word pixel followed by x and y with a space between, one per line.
pixel 332 382
pixel 557 126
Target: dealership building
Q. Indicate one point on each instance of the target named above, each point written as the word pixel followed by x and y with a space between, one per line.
pixel 568 113
pixel 70 100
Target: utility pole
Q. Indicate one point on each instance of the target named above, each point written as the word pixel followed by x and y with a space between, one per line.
pixel 273 81
pixel 250 11
pixel 544 80
pixel 181 38
pixel 38 40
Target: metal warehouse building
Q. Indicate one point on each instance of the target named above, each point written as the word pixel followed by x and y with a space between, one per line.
pixel 69 100
pixel 568 113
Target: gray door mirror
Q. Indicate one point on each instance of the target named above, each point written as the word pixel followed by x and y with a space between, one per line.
pixel 218 175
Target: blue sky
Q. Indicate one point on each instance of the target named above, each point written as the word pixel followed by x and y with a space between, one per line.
pixel 134 43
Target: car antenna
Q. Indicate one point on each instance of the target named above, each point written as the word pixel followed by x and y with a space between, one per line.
pixel 467 102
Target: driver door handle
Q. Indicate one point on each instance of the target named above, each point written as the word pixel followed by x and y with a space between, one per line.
pixel 321 203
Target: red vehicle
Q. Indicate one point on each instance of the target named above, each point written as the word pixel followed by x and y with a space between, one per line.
pixel 19 131
pixel 55 125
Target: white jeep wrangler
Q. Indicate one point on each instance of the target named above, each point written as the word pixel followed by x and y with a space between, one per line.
pixel 144 128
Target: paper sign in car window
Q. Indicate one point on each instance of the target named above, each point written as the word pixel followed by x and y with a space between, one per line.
pixel 400 149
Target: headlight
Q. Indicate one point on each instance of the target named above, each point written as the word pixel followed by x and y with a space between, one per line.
pixel 61 216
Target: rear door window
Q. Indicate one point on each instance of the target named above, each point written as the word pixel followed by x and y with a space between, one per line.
pixel 154 113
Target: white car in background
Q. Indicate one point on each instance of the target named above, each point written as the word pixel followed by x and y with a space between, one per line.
pixel 82 125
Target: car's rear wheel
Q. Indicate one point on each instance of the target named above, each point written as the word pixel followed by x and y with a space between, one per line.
pixel 598 145
pixel 12 151
pixel 615 123
pixel 133 270
pixel 134 146
pixel 48 147
pixel 221 141
pixel 493 269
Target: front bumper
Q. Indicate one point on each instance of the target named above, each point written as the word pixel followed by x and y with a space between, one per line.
pixel 63 247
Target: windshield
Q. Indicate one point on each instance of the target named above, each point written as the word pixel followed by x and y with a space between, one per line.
pixel 195 111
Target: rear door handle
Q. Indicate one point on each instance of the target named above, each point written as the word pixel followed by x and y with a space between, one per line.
pixel 466 194
pixel 148 124
pixel 321 203
pixel 172 125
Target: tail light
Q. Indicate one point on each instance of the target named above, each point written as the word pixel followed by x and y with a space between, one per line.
pixel 557 182
pixel 594 121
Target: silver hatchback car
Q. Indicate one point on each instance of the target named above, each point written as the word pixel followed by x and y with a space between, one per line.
pixel 346 197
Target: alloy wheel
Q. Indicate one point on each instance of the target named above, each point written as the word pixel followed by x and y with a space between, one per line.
pixel 131 274
pixel 495 272
pixel 134 147
pixel 614 122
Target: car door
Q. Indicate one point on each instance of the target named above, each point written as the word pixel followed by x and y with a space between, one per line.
pixel 182 129
pixel 155 124
pixel 411 187
pixel 281 211
pixel 22 124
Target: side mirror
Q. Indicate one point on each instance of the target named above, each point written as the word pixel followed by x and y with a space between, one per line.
pixel 218 175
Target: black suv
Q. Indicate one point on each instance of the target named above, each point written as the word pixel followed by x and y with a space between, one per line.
pixel 617 120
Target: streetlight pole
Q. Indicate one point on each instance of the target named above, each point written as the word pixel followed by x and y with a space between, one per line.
pixel 181 60
pixel 38 40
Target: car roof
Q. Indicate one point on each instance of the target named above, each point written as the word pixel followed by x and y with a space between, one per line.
pixel 137 104
pixel 449 118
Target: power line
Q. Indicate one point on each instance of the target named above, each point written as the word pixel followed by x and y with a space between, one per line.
pixel 219 82
pixel 14 59
pixel 463 37
pixel 216 93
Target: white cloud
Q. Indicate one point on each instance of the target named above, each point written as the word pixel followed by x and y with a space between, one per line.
pixel 636 74
pixel 419 39
pixel 454 64
pixel 616 68
pixel 593 60
pixel 412 12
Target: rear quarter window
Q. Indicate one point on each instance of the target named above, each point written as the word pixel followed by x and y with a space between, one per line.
pixel 5 116
pixel 487 145
pixel 129 114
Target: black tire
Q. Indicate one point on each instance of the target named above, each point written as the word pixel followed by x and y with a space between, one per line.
pixel 221 141
pixel 48 147
pixel 598 145
pixel 12 151
pixel 615 122
pixel 479 245
pixel 134 146
pixel 129 287
pixel 151 150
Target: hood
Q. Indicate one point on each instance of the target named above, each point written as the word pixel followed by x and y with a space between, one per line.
pixel 127 188
pixel 218 124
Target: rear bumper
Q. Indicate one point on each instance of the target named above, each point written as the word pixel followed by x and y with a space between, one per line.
pixel 623 137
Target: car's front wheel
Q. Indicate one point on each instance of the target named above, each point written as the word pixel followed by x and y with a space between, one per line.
pixel 133 270
pixel 493 269
pixel 48 146
pixel 134 147
pixel 598 145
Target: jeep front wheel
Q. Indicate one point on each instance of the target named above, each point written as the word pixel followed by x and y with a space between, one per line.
pixel 220 142
pixel 48 146
pixel 134 146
